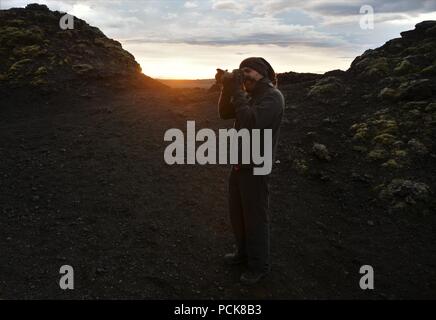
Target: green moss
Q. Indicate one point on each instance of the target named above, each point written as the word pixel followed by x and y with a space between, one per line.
pixel 38 82
pixel 410 51
pixel 384 138
pixel 361 131
pixel 16 37
pixel 82 68
pixel 389 94
pixel 389 126
pixel 319 90
pixel 430 107
pixel 107 43
pixel 427 47
pixel 414 113
pixel 391 163
pixel 380 64
pixel 17 66
pixel 16 23
pixel 358 126
pixel 377 154
pixel 41 71
pixel 429 71
pixel 405 67
pixel 300 166
pixel 399 153
pixel 29 51
pixel 414 105
pixel 361 134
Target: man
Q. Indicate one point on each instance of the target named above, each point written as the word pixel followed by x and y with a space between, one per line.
pixel 255 103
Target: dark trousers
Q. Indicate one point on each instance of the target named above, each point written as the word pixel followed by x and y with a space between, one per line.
pixel 249 216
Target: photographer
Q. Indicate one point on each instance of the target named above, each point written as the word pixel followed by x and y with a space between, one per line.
pixel 250 96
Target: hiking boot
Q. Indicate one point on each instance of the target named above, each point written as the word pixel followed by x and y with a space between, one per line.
pixel 234 259
pixel 251 277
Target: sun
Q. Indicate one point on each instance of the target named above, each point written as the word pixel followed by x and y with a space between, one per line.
pixel 175 68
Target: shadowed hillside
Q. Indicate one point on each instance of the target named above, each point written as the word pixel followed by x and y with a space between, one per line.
pixel 36 53
pixel 379 115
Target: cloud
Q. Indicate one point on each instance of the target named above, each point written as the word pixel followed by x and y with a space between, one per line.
pixel 228 5
pixel 190 4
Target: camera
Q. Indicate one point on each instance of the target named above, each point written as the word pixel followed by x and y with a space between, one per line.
pixel 223 76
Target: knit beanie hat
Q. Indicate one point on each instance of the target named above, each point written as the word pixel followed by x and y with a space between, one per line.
pixel 260 65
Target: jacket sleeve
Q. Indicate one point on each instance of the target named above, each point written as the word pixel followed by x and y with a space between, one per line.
pixel 226 108
pixel 261 115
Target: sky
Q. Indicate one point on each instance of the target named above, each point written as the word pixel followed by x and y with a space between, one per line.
pixel 189 39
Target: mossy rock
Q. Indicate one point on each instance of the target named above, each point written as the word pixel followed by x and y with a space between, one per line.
pixel 360 149
pixel 430 107
pixel 413 114
pixel 385 125
pixel 372 65
pixel 16 37
pixel 373 73
pixel 427 47
pixel 18 66
pixel 416 89
pixel 377 154
pixel 405 191
pixel 39 82
pixel 391 129
pixel 405 67
pixel 417 146
pixel 32 51
pixel 391 164
pixel 300 165
pixel 16 23
pixel 388 126
pixel 380 64
pixel 321 152
pixel 384 138
pixel 83 68
pixel 41 71
pixel 429 71
pixel 358 126
pixel 414 105
pixel 320 90
pixel 327 87
pixel 107 43
pixel 431 31
pixel 389 94
pixel 399 153
pixel 360 135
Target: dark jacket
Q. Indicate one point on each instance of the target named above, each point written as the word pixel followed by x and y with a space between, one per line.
pixel 262 109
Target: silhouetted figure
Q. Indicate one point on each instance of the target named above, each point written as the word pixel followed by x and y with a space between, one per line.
pixel 250 96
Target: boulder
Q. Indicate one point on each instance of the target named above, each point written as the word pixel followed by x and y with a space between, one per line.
pixel 408 191
pixel 321 152
pixel 416 89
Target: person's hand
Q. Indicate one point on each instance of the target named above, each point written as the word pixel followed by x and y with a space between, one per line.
pixel 220 75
